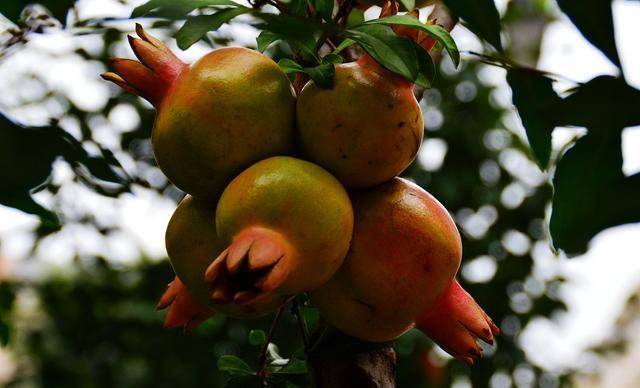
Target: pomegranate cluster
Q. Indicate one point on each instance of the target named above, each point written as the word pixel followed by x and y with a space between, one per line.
pixel 299 194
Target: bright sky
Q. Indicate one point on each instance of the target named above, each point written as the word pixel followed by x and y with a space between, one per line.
pixel 598 282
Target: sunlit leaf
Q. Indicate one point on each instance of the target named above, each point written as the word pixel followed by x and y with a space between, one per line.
pixel 441 35
pixel 394 52
pixel 177 6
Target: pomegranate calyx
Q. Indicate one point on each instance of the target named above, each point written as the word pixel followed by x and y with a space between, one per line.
pixel 183 310
pixel 154 73
pixel 254 264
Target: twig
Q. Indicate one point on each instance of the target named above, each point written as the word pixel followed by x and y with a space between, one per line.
pixel 262 357
pixel 295 310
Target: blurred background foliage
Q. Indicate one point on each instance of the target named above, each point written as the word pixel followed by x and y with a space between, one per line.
pixel 95 325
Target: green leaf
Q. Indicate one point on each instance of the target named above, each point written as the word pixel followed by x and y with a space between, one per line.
pixel 332 58
pixel 595 21
pixel 265 39
pixel 294 366
pixel 197 26
pixel 34 150
pixel 324 9
pixel 536 101
pixel 298 7
pixel 177 6
pixel 356 17
pixel 345 43
pixel 602 102
pixel 426 69
pixel 234 366
pixel 481 16
pixel 297 32
pixel 322 74
pixel 408 4
pixel 591 192
pixel 441 35
pixel 394 52
pixel 257 337
pixel 4 332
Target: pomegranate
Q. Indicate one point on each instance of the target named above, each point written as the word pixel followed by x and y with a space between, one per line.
pixel 287 224
pixel 228 110
pixel 192 244
pixel 369 127
pixel 404 256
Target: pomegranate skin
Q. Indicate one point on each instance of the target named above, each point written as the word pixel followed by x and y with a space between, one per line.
pixel 404 253
pixel 286 219
pixel 232 108
pixel 192 243
pixel 228 110
pixel 365 130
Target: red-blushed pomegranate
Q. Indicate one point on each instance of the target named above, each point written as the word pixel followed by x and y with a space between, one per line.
pixel 368 127
pixel 404 256
pixel 228 110
pixel 192 244
pixel 287 224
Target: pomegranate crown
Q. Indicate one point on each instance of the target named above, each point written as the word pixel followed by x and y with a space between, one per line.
pixel 150 77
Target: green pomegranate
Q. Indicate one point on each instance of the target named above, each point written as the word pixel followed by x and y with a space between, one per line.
pixel 287 224
pixel 192 244
pixel 228 110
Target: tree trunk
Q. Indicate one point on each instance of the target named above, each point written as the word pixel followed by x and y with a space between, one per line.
pixel 372 369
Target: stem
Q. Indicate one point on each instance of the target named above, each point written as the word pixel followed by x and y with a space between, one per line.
pixel 262 357
pixel 295 310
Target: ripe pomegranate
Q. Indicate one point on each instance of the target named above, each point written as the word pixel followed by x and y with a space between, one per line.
pixel 366 129
pixel 192 244
pixel 287 224
pixel 403 258
pixel 228 110
pixel 369 127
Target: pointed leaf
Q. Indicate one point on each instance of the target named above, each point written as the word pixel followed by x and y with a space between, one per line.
pixel 481 16
pixel 394 52
pixel 602 102
pixel 594 19
pixel 234 366
pixel 178 6
pixel 197 26
pixel 441 35
pixel 265 39
pixel 590 191
pixel 325 9
pixel 536 100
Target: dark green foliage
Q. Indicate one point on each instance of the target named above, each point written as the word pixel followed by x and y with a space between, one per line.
pixel 12 9
pixel 591 192
pixel 536 101
pixel 481 16
pixel 595 21
pixel 26 155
